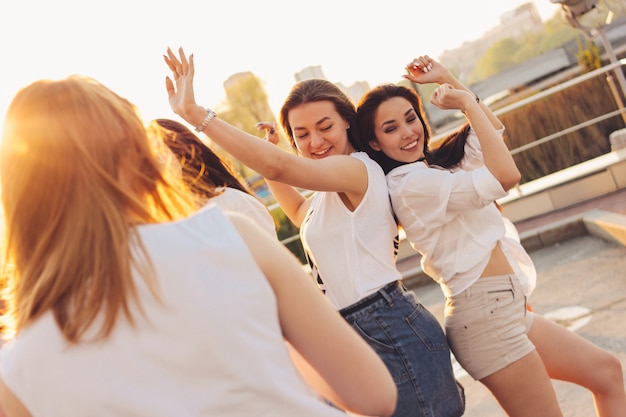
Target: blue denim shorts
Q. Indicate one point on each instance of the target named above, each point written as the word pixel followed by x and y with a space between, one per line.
pixel 488 324
pixel 411 342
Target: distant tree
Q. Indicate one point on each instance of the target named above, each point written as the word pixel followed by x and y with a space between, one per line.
pixel 556 32
pixel 246 104
pixel 588 55
pixel 497 59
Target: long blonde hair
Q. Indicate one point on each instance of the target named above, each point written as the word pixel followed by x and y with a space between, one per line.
pixel 77 170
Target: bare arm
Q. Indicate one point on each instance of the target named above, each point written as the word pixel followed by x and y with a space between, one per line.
pixel 292 202
pixel 441 75
pixel 352 375
pixel 11 405
pixel 339 173
pixel 452 94
pixel 496 155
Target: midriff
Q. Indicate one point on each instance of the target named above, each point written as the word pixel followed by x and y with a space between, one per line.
pixel 498 264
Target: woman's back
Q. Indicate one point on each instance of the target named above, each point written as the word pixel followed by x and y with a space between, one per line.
pixel 182 357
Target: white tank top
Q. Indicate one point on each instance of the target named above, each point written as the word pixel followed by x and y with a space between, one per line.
pixel 213 347
pixel 354 252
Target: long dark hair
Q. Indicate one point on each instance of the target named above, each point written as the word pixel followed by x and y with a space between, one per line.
pixel 314 90
pixel 447 154
pixel 203 169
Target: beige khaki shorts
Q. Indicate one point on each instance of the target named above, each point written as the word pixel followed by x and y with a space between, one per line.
pixel 487 325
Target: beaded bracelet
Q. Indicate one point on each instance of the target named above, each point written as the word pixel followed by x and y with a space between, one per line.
pixel 210 115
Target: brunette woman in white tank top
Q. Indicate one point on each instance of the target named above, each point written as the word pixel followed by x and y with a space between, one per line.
pixel 347 229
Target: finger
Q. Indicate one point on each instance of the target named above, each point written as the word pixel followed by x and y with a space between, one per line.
pixel 169 64
pixel 172 57
pixel 169 87
pixel 192 67
pixel 266 125
pixel 184 64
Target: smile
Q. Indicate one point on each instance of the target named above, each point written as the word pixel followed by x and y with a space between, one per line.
pixel 321 153
pixel 410 146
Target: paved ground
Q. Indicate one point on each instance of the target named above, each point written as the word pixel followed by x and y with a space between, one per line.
pixel 582 285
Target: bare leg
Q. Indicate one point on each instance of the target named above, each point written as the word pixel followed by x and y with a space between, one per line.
pixel 524 388
pixel 570 357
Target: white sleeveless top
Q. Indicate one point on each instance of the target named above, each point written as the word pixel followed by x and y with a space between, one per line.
pixel 212 347
pixel 354 251
pixel 232 199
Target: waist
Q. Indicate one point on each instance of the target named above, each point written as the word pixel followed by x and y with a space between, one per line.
pixel 498 264
pixel 382 294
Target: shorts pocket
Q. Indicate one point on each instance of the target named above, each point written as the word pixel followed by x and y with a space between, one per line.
pixel 427 328
pixel 498 300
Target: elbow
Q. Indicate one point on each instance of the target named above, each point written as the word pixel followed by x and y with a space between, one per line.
pixel 511 180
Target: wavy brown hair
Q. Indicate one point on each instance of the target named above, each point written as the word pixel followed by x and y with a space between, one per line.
pixel 203 170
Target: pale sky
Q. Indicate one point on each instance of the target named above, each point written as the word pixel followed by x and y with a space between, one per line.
pixel 121 42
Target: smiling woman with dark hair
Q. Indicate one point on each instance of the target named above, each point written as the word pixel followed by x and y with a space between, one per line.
pixel 445 199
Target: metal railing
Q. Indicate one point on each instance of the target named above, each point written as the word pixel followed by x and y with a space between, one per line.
pixel 621 110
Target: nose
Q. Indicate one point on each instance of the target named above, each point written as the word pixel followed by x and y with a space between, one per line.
pixel 316 140
pixel 407 133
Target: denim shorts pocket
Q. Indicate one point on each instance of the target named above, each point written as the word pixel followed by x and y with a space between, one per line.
pixel 372 337
pixel 388 353
pixel 427 328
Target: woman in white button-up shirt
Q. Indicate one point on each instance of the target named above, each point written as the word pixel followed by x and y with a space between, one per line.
pixel 444 199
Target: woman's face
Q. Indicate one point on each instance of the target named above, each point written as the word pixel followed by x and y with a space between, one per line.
pixel 398 130
pixel 319 131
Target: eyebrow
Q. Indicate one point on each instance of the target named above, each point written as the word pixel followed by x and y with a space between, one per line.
pixel 319 122
pixel 406 113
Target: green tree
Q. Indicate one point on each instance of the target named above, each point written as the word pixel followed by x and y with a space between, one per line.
pixel 497 59
pixel 588 55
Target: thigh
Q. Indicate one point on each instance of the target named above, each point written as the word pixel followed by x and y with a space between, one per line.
pixel 523 388
pixel 568 356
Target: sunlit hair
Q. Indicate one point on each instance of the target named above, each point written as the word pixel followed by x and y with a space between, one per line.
pixel 77 171
pixel 447 153
pixel 314 90
pixel 202 169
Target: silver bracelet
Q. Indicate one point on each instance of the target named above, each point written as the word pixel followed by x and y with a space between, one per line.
pixel 210 115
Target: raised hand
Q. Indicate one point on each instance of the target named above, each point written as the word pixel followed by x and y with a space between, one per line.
pixel 424 70
pixel 181 95
pixel 272 134
pixel 449 98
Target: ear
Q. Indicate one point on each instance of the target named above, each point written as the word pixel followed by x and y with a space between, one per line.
pixel 374 145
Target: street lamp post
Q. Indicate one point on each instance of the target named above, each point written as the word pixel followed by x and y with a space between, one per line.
pixel 573 10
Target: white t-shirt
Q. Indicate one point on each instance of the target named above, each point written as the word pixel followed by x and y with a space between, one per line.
pixel 212 346
pixel 232 199
pixel 354 251
pixel 450 218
